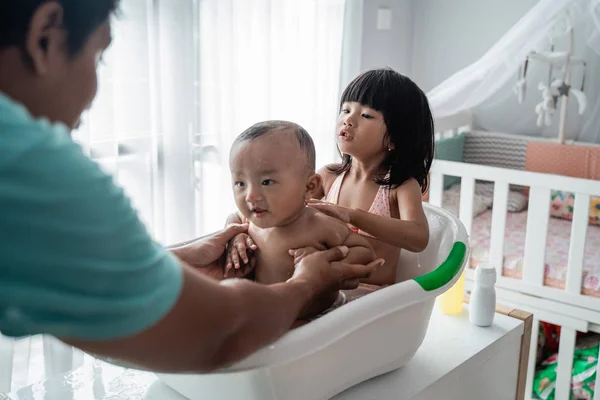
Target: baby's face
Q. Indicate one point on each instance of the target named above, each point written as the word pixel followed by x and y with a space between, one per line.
pixel 270 179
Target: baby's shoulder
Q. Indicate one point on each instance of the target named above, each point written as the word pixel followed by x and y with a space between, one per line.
pixel 328 226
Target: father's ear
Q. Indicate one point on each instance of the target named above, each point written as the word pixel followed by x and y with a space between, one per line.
pixel 45 43
pixel 314 186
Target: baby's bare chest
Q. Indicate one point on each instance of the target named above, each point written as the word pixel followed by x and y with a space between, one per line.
pixel 273 261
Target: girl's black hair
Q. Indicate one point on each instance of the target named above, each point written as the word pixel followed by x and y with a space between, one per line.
pixel 409 122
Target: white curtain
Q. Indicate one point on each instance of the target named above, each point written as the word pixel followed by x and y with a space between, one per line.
pixel 141 124
pixel 486 86
pixel 263 59
pixel 182 79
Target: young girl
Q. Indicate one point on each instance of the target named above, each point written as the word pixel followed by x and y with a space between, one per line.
pixel 386 138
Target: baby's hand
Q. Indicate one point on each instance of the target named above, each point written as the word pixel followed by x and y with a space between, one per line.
pixel 240 247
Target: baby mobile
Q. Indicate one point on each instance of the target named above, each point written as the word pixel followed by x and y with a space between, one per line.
pixel 557 88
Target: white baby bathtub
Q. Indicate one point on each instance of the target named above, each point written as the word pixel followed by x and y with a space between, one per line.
pixel 365 338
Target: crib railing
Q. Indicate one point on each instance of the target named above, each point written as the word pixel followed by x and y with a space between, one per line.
pixel 568 308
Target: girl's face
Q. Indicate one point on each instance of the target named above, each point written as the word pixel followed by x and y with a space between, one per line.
pixel 360 131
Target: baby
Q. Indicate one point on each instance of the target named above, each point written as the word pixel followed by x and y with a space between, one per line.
pixel 273 174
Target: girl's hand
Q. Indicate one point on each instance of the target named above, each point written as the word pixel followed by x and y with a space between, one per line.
pixel 333 210
pixel 239 248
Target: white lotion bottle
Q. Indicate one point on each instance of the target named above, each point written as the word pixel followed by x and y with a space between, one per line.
pixel 482 307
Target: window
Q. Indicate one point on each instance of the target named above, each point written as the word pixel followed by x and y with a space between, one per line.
pixel 183 78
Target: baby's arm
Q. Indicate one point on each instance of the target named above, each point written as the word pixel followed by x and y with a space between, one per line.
pixel 337 233
pixel 359 249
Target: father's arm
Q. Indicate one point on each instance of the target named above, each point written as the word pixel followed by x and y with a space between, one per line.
pixel 78 264
pixel 209 326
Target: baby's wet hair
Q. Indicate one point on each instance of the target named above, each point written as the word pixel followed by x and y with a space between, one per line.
pixel 262 128
pixel 409 121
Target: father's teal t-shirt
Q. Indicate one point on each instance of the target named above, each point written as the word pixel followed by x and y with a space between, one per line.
pixel 75 260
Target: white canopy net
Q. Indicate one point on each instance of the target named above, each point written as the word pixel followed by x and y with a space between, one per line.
pixel 503 99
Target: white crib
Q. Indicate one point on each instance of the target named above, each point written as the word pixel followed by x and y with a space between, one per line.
pixel 567 308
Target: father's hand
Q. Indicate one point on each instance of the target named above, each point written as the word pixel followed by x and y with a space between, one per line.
pixel 207 253
pixel 325 271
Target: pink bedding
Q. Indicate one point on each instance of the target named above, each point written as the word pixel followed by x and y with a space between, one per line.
pixel 557 250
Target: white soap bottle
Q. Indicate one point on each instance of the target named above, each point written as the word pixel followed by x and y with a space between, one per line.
pixel 482 307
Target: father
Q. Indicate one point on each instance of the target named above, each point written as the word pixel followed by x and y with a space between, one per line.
pixel 75 260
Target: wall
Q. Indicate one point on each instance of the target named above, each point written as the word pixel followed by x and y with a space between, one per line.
pixel 431 39
pixel 393 47
pixel 449 35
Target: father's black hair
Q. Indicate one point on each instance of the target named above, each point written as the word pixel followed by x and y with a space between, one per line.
pixel 80 19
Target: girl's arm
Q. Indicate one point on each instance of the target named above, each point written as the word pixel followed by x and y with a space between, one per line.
pixel 411 232
pixel 327 179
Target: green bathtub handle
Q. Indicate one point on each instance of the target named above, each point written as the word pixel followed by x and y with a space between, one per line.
pixel 446 271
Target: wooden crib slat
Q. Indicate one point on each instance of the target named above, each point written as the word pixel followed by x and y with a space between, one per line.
pixel 436 189
pixel 566 349
pixel 535 327
pixel 498 225
pixel 467 191
pixel 577 245
pixel 535 237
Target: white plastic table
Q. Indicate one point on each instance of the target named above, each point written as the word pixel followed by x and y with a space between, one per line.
pixel 456 361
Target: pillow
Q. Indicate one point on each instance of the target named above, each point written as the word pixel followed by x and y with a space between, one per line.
pixel 496 150
pixel 576 161
pixel 517 201
pixel 562 206
pixel 451 201
pixel 450 149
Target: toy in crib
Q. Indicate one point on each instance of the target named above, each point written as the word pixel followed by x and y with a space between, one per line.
pixel 555 89
pixel 373 335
